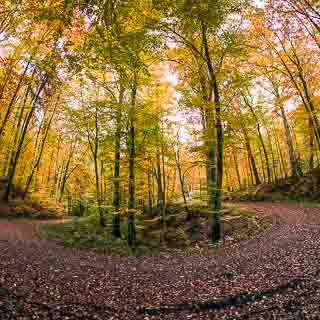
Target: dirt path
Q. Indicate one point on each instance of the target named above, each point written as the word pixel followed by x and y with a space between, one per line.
pixel 22 229
pixel 275 276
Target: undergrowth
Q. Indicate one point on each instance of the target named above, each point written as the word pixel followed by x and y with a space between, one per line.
pixel 86 233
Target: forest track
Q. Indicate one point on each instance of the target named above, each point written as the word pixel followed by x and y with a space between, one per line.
pixel 22 229
pixel 274 276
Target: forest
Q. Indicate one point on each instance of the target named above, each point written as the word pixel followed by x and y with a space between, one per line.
pixel 183 129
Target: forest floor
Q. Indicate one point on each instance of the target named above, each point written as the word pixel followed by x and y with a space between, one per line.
pixel 274 276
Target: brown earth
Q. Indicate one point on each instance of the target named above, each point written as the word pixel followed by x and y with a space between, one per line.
pixel 274 276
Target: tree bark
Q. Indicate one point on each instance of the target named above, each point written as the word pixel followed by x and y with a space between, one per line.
pixel 181 179
pixel 261 140
pixel 14 162
pixel 237 168
pixel 116 183
pixel 37 162
pixel 94 146
pixel 251 157
pixel 150 200
pixel 215 160
pixel 163 218
pixel 282 164
pixel 131 156
pixel 295 171
pixel 216 228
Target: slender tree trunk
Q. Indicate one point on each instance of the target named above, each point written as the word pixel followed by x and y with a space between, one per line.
pixel 58 179
pixel 282 164
pixel 154 200
pixel 64 178
pixel 116 183
pixel 94 146
pixel 181 179
pixel 216 228
pixel 14 162
pixel 311 144
pixel 304 94
pixel 251 157
pixel 159 183
pixel 250 171
pixel 261 141
pixel 131 155
pixel 102 190
pixel 17 131
pixel 274 165
pixel 262 164
pixel 237 168
pixel 160 193
pixel 174 179
pixel 215 160
pixel 266 157
pixel 98 194
pixel 56 171
pixel 49 170
pixel 310 107
pixel 37 162
pixel 150 202
pixel 165 183
pixel 292 156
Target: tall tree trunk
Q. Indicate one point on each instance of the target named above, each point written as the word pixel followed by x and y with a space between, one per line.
pixel 262 164
pixel 116 176
pixel 251 157
pixel 261 141
pixel 55 186
pixel 311 144
pixel 295 171
pixel 17 131
pixel 266 157
pixel 66 174
pixel 303 93
pixel 131 154
pixel 282 164
pixel 98 193
pixel 14 162
pixel 274 164
pixel 250 171
pixel 102 190
pixel 216 228
pixel 38 159
pixel 164 190
pixel 174 180
pixel 237 168
pixel 310 108
pixel 164 181
pixel 150 200
pixel 181 179
pixel 64 178
pixel 215 160
pixel 159 183
pixel 94 146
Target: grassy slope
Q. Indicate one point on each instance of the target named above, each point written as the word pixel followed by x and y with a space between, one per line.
pixel 238 224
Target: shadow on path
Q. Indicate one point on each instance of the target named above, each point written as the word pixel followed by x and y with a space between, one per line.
pixel 242 299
